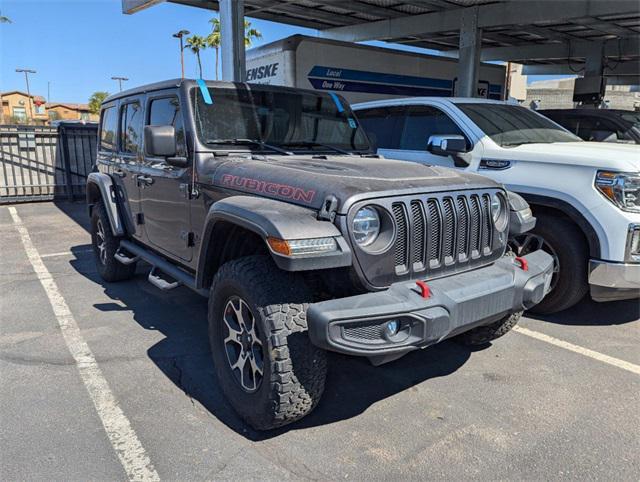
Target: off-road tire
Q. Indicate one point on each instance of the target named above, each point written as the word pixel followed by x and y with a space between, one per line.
pixel 110 269
pixel 484 334
pixel 571 248
pixel 294 370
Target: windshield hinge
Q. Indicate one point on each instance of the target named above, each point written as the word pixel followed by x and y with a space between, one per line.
pixel 329 207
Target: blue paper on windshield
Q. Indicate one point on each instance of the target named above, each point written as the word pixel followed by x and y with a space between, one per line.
pixel 336 100
pixel 352 122
pixel 206 96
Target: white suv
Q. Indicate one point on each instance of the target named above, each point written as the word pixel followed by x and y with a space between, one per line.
pixel 585 195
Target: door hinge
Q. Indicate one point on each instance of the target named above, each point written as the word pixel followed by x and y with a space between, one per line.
pixel 189 191
pixel 139 218
pixel 188 237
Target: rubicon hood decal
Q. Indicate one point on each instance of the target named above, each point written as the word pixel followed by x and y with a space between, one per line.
pixel 284 191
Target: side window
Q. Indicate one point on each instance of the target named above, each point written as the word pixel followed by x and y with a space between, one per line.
pixel 598 130
pixel 422 122
pixel 569 123
pixel 381 124
pixel 166 112
pixel 131 128
pixel 108 129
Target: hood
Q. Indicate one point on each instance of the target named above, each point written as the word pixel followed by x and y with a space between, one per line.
pixel 600 155
pixel 308 180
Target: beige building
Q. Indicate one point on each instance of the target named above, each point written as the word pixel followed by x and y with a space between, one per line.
pixel 67 111
pixel 19 107
pixel 558 94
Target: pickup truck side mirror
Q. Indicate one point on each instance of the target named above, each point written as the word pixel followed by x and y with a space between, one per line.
pixel 450 145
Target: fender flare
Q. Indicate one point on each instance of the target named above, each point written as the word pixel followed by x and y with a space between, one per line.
pixel 272 218
pixel 107 192
pixel 593 241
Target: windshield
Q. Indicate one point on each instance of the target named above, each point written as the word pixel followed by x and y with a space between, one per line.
pixel 512 125
pixel 262 117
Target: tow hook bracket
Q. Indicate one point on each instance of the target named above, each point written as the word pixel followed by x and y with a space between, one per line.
pixel 522 262
pixel 425 291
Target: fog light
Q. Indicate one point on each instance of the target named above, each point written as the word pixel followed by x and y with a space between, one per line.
pixel 392 327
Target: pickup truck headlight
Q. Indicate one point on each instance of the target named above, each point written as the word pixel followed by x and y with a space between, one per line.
pixel 621 188
pixel 366 226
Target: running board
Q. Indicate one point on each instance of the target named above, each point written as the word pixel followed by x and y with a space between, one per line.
pixel 159 263
pixel 124 259
pixel 160 282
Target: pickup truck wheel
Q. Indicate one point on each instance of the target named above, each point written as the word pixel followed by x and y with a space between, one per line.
pixel 564 241
pixel 105 245
pixel 484 334
pixel 264 361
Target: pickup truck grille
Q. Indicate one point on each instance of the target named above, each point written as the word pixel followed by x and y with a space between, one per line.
pixel 435 235
pixel 455 229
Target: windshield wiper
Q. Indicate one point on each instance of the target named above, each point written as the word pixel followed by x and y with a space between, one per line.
pixel 251 142
pixel 317 144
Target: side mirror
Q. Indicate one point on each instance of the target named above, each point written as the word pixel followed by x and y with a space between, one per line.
pixel 446 145
pixel 160 141
pixel 450 145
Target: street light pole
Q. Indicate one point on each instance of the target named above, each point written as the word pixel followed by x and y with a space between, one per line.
pixel 26 78
pixel 179 36
pixel 120 80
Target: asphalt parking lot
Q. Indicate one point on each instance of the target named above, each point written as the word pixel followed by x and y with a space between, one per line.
pixel 560 399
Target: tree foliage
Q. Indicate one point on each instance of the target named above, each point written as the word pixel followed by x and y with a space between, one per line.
pixel 197 43
pixel 95 101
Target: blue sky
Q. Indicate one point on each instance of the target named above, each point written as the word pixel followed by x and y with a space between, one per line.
pixel 78 45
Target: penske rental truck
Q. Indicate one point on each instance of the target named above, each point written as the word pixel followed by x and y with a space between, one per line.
pixel 362 73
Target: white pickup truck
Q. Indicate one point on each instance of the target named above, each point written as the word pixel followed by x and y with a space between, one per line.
pixel 585 195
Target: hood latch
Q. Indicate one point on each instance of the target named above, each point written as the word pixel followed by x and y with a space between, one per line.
pixel 329 207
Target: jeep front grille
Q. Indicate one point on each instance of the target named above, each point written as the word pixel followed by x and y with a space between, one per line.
pixel 434 235
pixel 455 228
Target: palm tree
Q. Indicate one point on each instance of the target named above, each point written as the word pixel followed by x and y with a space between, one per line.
pixel 213 39
pixel 250 34
pixel 4 19
pixel 196 43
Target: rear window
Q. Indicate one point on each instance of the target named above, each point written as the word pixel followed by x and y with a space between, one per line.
pixel 108 129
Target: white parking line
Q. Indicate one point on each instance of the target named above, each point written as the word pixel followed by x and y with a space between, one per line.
pixel 66 253
pixel 616 362
pixel 124 440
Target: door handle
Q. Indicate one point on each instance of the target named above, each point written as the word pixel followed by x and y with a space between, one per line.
pixel 146 180
pixel 119 173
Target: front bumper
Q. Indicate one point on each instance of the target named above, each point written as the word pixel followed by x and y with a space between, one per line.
pixel 614 281
pixel 356 325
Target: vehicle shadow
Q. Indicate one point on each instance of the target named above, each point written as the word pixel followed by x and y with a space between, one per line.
pixel 184 356
pixel 589 313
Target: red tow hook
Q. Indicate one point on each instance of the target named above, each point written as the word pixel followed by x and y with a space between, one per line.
pixel 523 263
pixel 425 291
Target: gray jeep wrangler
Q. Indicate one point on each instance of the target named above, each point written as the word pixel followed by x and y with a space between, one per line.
pixel 269 201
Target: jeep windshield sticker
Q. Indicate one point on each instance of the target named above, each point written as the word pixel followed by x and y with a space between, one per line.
pixel 352 122
pixel 281 190
pixel 206 96
pixel 336 100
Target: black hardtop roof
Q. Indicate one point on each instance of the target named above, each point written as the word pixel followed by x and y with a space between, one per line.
pixel 177 83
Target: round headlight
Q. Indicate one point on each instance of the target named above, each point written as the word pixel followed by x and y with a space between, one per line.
pixel 366 226
pixel 499 212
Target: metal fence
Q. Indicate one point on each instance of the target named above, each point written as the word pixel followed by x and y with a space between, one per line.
pixel 43 163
